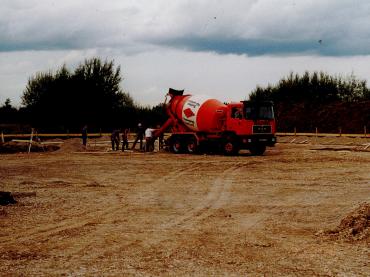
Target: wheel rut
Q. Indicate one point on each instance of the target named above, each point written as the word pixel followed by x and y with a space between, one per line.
pixel 216 198
pixel 87 218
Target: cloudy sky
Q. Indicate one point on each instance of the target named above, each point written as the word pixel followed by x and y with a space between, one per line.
pixel 221 48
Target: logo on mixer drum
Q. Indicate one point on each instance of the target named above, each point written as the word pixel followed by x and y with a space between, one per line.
pixel 188 112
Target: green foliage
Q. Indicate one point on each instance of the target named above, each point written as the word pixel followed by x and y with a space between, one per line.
pixel 317 87
pixel 7 107
pixel 152 116
pixel 303 101
pixel 91 94
pixel 7 104
pixel 7 112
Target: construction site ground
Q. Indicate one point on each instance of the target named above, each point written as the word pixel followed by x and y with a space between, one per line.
pixel 105 213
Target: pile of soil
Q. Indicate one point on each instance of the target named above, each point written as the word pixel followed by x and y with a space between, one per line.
pixel 72 145
pixel 17 147
pixel 59 145
pixel 93 145
pixel 354 227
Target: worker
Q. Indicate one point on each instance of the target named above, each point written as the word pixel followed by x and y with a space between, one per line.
pixel 115 140
pixel 149 141
pixel 139 136
pixel 160 138
pixel 125 133
pixel 84 136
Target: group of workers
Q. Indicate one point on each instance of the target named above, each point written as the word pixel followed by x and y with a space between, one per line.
pixel 147 133
pixel 115 139
pixel 141 134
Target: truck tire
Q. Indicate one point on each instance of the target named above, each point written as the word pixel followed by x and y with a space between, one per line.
pixel 230 146
pixel 176 146
pixel 192 146
pixel 258 149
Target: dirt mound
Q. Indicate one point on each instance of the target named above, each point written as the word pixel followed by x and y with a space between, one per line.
pixel 72 145
pixel 354 227
pixel 17 147
pixel 13 147
pixel 93 145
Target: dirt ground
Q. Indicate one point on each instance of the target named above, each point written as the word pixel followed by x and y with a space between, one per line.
pixel 159 214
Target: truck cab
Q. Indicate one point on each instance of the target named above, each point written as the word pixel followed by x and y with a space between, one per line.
pixel 253 124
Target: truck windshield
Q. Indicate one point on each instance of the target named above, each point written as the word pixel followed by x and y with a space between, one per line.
pixel 259 112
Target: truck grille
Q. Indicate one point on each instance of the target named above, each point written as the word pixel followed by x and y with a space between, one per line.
pixel 261 129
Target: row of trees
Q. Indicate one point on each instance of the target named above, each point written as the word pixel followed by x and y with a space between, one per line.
pixel 91 94
pixel 318 100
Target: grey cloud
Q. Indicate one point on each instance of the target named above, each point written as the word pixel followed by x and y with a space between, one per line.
pixel 255 47
pixel 254 27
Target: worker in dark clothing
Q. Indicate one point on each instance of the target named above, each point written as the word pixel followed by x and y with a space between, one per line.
pixel 139 136
pixel 115 140
pixel 160 138
pixel 125 133
pixel 84 136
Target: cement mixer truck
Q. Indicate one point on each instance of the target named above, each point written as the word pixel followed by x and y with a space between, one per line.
pixel 202 124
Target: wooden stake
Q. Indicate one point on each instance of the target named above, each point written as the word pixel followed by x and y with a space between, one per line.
pixel 2 137
pixel 29 146
pixel 365 131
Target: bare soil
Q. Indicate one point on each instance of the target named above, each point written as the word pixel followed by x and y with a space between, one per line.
pixel 290 212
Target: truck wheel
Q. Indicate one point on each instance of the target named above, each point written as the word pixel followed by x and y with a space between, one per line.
pixel 176 146
pixel 192 146
pixel 230 147
pixel 257 150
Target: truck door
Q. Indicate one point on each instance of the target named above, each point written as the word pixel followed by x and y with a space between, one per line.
pixel 236 122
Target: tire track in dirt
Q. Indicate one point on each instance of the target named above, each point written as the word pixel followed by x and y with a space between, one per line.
pixel 44 232
pixel 215 199
pixel 92 218
pixel 149 196
pixel 146 196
